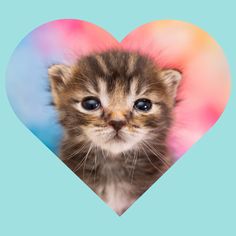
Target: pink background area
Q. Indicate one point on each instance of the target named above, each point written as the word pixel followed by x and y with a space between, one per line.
pixel 204 90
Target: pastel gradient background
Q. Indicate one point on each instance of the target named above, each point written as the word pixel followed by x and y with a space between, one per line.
pixel 172 44
pixel 39 196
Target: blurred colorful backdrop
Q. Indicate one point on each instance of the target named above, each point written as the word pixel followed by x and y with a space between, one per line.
pixel 203 93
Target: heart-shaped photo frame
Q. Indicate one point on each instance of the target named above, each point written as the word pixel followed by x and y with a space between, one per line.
pixel 118 114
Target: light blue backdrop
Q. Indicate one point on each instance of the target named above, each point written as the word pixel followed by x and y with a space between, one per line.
pixel 40 196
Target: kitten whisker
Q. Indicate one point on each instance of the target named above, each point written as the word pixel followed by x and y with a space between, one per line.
pixel 76 152
pixel 134 164
pixel 158 155
pixel 103 155
pixel 90 148
pixel 94 167
pixel 151 161
pixel 78 166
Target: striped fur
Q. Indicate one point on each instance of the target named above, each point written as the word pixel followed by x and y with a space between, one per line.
pixel 124 168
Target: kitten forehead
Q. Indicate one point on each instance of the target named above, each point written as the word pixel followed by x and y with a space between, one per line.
pixel 103 93
pixel 132 92
pixel 131 63
pixel 102 64
pixel 117 77
pixel 133 87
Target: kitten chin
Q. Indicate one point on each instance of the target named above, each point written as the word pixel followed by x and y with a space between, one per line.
pixel 116 110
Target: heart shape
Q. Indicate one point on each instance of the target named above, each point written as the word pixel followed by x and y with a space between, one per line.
pixel 204 90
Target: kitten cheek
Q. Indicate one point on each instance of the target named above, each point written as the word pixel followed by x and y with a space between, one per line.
pixel 156 109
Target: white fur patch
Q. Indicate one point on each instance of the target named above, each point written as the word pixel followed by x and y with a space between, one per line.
pixel 104 98
pixel 103 138
pixel 132 94
pixel 116 197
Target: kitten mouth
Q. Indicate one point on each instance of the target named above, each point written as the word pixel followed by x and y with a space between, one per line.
pixel 117 137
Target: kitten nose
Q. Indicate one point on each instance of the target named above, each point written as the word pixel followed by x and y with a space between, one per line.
pixel 117 124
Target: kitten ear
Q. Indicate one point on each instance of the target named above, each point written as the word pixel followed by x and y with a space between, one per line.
pixel 171 78
pixel 59 75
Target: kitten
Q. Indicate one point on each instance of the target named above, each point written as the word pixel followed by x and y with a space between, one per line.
pixel 115 108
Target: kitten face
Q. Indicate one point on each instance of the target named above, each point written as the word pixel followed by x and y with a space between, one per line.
pixel 114 100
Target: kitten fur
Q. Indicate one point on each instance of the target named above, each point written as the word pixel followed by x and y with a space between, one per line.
pixel 119 169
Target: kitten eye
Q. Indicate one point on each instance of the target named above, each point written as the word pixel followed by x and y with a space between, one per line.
pixel 143 104
pixel 91 103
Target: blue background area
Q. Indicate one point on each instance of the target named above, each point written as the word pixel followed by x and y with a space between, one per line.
pixel 29 93
pixel 40 196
